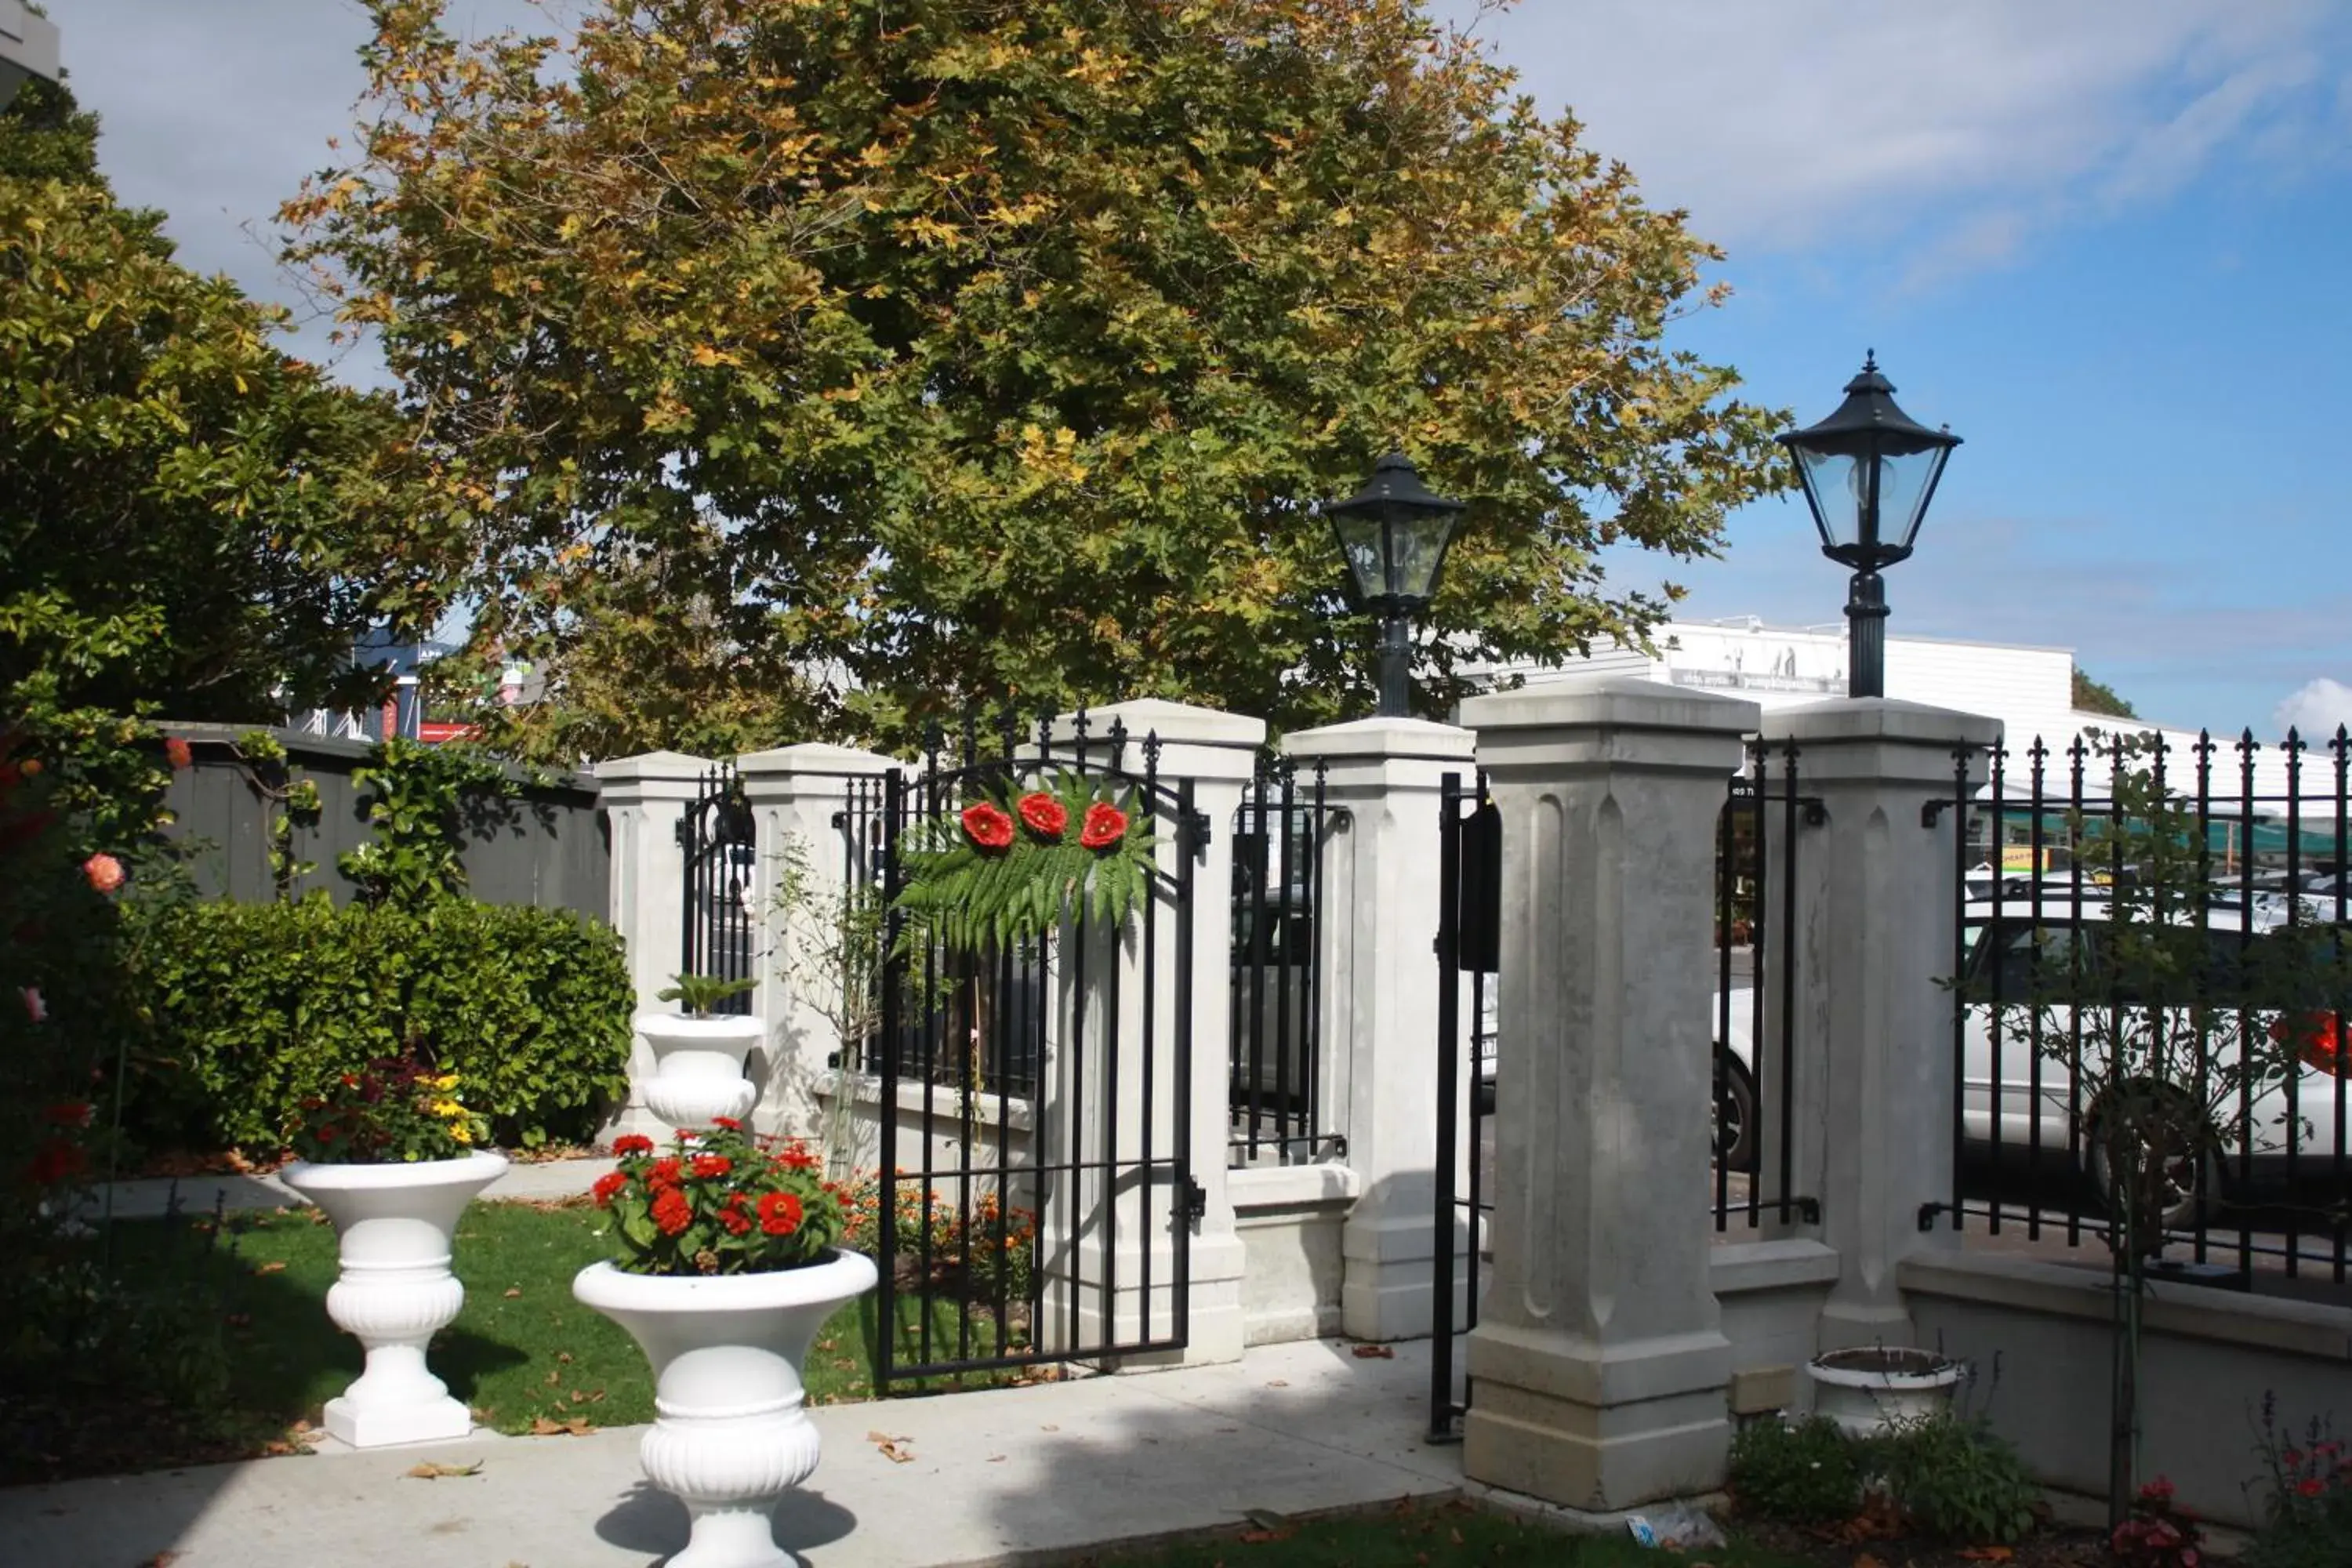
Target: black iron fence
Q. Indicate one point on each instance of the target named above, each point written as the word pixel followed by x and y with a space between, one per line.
pixel 1755 1043
pixel 1469 866
pixel 2148 1023
pixel 1279 1089
pixel 719 843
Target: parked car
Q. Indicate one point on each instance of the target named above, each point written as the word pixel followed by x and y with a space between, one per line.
pixel 2013 1090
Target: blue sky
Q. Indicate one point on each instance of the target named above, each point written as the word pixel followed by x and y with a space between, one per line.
pixel 2106 240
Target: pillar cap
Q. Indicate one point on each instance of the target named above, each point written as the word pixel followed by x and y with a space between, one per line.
pixel 816 758
pixel 1880 721
pixel 653 767
pixel 1386 740
pixel 1611 702
pixel 1176 724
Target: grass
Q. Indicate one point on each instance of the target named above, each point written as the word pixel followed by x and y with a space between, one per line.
pixel 523 1353
pixel 1445 1535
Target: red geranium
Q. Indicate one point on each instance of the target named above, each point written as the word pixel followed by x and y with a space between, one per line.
pixel 985 823
pixel 633 1143
pixel 672 1212
pixel 176 750
pixel 709 1166
pixel 780 1214
pixel 57 1160
pixel 1047 816
pixel 1105 824
pixel 607 1185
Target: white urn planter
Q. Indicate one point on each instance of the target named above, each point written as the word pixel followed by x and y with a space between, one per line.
pixel 730 1436
pixel 1872 1390
pixel 394 1223
pixel 697 1067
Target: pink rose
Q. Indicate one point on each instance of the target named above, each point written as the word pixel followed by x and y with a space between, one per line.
pixel 34 1008
pixel 104 871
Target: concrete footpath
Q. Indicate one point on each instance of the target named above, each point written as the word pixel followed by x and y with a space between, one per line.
pixel 145 1197
pixel 999 1477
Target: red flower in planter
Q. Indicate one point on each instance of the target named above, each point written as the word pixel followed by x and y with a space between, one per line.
pixel 797 1158
pixel 665 1172
pixel 633 1143
pixel 729 1122
pixel 176 751
pixel 780 1214
pixel 733 1217
pixel 608 1186
pixel 708 1165
pixel 1105 824
pixel 671 1212
pixel 1045 816
pixel 987 826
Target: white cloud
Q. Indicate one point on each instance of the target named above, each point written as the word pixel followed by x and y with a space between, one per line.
pixel 1800 122
pixel 2315 710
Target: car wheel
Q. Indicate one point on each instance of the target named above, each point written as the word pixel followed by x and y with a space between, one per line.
pixel 2189 1182
pixel 1735 1131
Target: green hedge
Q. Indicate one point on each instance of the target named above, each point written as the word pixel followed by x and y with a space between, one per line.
pixel 250 1008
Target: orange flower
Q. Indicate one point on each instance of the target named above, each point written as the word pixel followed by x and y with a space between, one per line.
pixel 176 750
pixel 104 871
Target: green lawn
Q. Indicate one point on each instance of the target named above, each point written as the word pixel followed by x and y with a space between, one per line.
pixel 522 1352
pixel 1448 1535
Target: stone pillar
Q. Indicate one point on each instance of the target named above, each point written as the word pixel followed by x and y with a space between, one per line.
pixel 1599 1363
pixel 1217 752
pixel 807 802
pixel 643 798
pixel 1380 1004
pixel 1877 895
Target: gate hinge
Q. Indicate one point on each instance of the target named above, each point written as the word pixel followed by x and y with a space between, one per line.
pixel 1196 1201
pixel 1202 832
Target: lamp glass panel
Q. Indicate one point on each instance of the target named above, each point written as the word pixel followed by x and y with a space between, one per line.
pixel 1904 482
pixel 1833 484
pixel 1359 541
pixel 1418 536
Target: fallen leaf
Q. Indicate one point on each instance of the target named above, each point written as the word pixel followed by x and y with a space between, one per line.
pixel 564 1355
pixel 512 1291
pixel 1375 1353
pixel 275 1266
pixel 554 1378
pixel 1989 1553
pixel 545 1427
pixel 996 1459
pixel 1279 1383
pixel 1049 1427
pixel 1264 1517
pixel 429 1471
pixel 895 1454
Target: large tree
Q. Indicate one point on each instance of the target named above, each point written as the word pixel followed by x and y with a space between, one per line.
pixel 834 365
pixel 191 523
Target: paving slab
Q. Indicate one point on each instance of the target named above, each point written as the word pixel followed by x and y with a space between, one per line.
pixel 998 1477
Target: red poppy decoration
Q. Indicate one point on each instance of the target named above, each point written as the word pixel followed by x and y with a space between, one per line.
pixel 1046 817
pixel 987 826
pixel 1105 824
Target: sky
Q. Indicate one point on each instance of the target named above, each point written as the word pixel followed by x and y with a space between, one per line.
pixel 2102 240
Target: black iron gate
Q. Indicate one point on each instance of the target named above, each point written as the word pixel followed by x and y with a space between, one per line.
pixel 1753 1173
pixel 717 840
pixel 1036 1196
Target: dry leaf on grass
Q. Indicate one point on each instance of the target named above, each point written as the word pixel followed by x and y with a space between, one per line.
pixel 545 1427
pixel 275 1266
pixel 512 1291
pixel 1375 1353
pixel 429 1471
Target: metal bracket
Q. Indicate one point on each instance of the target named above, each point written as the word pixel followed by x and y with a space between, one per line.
pixel 1809 1210
pixel 1202 831
pixel 1932 813
pixel 1196 1201
pixel 1928 1214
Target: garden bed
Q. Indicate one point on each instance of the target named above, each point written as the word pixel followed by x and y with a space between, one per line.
pixel 523 1354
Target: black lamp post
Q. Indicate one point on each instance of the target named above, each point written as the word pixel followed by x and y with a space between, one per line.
pixel 1394 532
pixel 1869 472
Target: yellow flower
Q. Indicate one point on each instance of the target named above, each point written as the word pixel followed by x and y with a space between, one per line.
pixel 449 1108
pixel 446 1080
pixel 461 1132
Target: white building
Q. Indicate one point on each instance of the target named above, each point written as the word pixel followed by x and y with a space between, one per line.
pixel 2030 689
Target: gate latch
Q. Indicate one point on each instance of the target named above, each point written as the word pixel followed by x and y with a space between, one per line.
pixel 1196 1201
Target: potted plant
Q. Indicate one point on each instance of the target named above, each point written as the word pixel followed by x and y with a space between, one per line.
pixel 725 1268
pixel 698 1053
pixel 393 1156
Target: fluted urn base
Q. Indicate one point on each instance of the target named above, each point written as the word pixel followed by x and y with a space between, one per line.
pixel 393 1225
pixel 730 1436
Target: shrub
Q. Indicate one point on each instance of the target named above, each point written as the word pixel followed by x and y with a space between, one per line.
pixel 1805 1472
pixel 2158 1534
pixel 1952 1477
pixel 2307 1517
pixel 250 1009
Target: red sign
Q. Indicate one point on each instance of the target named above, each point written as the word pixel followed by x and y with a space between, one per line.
pixel 434 732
